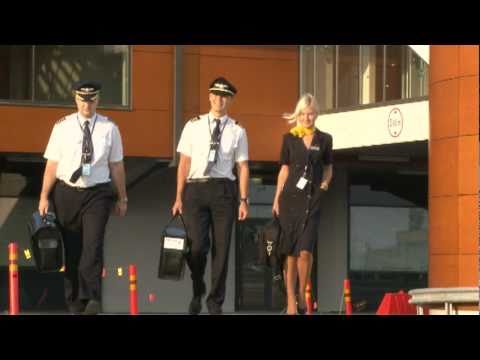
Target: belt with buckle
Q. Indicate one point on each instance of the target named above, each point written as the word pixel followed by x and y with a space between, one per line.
pixel 207 180
pixel 79 188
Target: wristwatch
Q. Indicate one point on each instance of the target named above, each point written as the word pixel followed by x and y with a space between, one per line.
pixel 245 200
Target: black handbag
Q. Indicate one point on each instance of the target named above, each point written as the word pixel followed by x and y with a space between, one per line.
pixel 269 248
pixel 47 242
pixel 174 246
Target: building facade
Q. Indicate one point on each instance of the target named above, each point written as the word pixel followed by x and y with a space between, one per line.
pixel 382 104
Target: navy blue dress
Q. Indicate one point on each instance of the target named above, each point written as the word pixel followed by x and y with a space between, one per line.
pixel 300 209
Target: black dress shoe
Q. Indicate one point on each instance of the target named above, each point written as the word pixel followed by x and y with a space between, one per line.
pixel 76 308
pixel 93 308
pixel 214 308
pixel 195 307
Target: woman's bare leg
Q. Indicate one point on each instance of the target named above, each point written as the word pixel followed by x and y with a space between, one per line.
pixel 304 264
pixel 291 280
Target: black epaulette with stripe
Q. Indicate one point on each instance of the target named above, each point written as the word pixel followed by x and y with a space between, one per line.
pixel 60 120
pixel 196 118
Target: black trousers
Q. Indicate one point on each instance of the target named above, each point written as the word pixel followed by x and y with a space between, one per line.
pixel 83 216
pixel 210 206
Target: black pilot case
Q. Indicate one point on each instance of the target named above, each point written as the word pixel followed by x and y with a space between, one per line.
pixel 174 247
pixel 47 242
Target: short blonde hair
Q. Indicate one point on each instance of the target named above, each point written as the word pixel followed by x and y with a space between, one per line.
pixel 307 100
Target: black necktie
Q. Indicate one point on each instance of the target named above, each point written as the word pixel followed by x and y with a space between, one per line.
pixel 87 147
pixel 214 145
pixel 87 152
pixel 216 131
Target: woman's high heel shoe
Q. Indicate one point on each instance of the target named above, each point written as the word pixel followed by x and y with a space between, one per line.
pixel 301 311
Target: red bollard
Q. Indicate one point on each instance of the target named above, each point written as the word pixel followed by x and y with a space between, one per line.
pixel 132 270
pixel 308 297
pixel 348 299
pixel 13 277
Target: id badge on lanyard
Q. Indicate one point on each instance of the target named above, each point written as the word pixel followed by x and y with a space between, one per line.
pixel 302 182
pixel 211 155
pixel 86 169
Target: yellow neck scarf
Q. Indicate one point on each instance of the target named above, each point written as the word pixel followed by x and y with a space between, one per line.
pixel 301 131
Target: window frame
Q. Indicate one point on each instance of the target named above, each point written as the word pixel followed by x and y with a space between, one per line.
pixel 51 104
pixel 336 108
pixel 350 205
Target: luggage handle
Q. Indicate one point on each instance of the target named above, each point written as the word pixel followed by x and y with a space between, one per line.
pixel 174 217
pixel 49 217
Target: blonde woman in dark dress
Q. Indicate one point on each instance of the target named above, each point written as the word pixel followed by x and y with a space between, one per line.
pixel 304 176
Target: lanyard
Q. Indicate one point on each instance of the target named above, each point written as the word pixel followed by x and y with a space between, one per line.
pixel 309 156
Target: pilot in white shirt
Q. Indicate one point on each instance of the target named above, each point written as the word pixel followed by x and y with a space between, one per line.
pixel 196 139
pixel 210 146
pixel 65 147
pixel 84 157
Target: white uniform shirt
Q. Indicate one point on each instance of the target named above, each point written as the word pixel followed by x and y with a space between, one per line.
pixel 65 148
pixel 195 143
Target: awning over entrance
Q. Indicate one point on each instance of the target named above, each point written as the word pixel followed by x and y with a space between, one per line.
pixel 390 124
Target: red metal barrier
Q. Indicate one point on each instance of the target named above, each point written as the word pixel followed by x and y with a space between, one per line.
pixel 132 269
pixel 13 278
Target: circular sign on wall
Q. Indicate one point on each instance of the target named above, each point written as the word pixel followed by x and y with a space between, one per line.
pixel 395 122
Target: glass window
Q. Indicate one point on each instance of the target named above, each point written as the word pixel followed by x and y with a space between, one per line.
pixel 371 73
pixel 344 76
pixel 388 239
pixel 348 75
pixel 388 222
pixel 417 73
pixel 307 69
pixel 373 194
pixel 15 72
pixel 394 72
pixel 58 67
pixel 326 69
pixel 55 69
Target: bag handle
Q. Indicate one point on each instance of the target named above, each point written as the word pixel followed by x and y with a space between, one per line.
pixel 174 217
pixel 49 215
